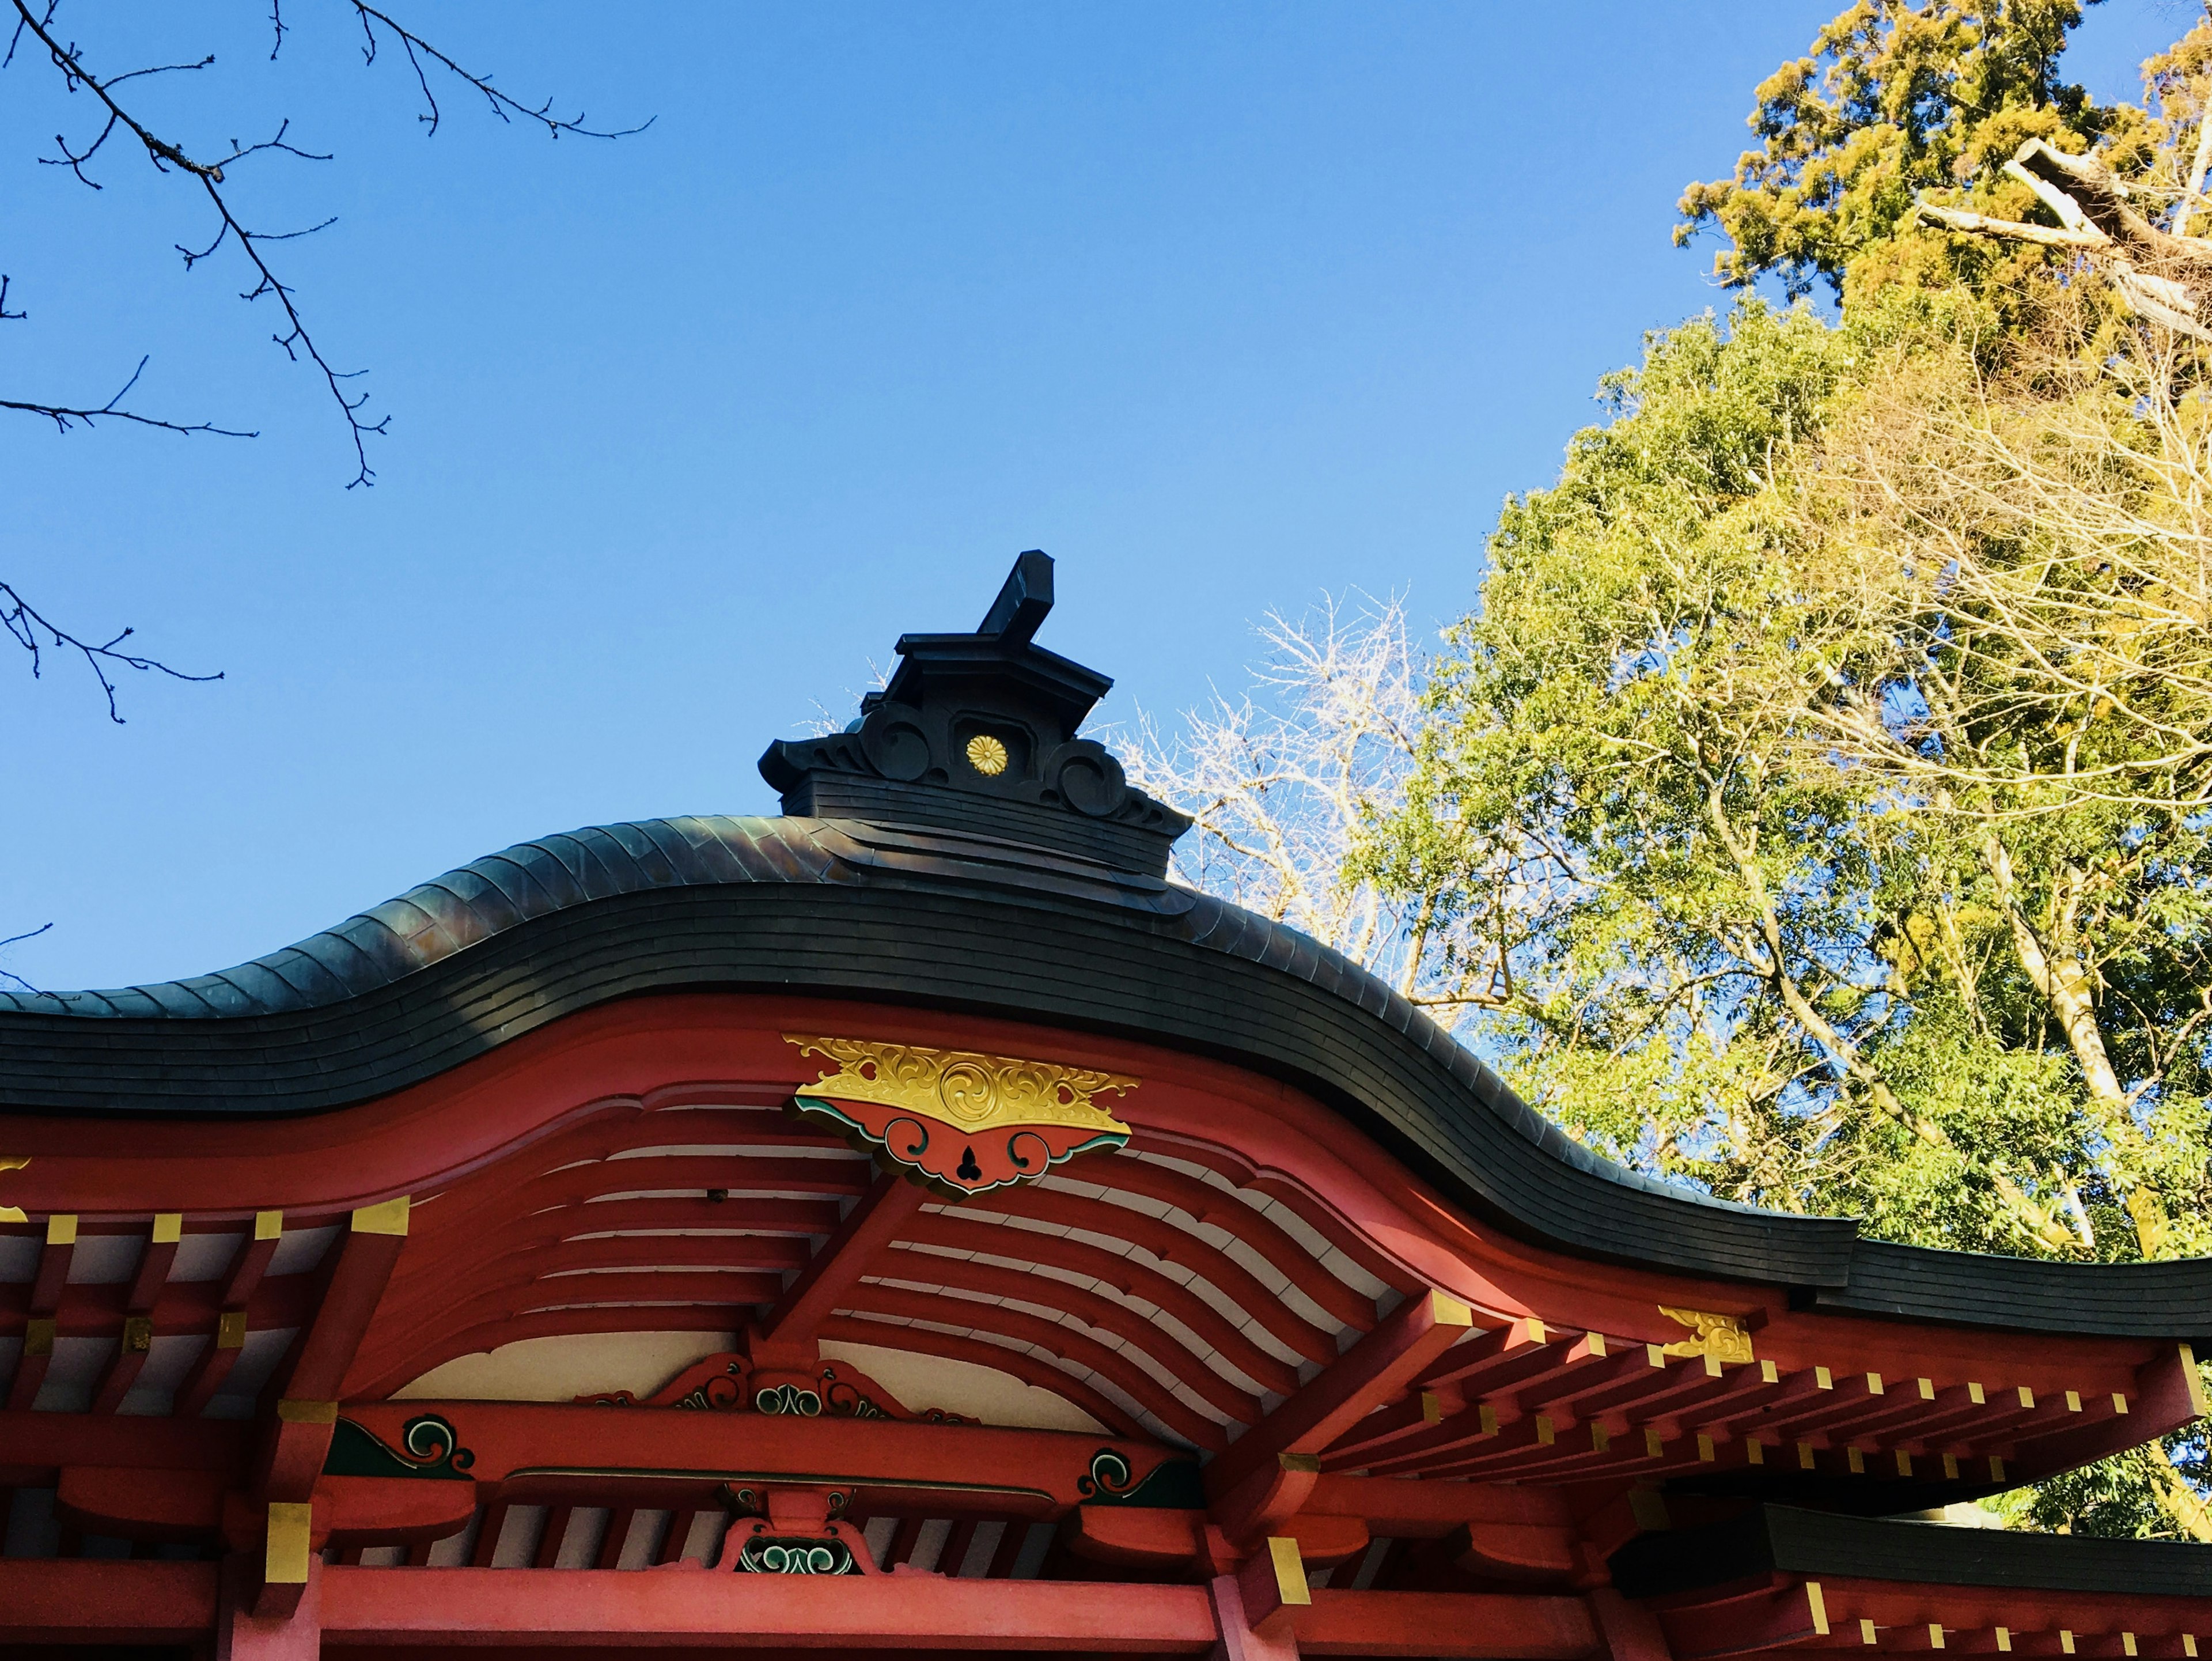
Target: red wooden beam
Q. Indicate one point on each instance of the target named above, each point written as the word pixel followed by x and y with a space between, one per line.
pixel 946 1470
pixel 146 1287
pixel 33 1446
pixel 296 1434
pixel 100 1601
pixel 1371 1374
pixel 845 1256
pixel 365 1256
pixel 1465 1625
pixel 46 1290
pixel 656 1610
pixel 213 1364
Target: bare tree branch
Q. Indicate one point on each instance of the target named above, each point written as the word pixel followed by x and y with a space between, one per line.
pixel 9 974
pixel 65 417
pixel 294 335
pixel 37 635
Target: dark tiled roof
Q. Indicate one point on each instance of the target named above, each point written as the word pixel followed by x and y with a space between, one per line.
pixel 1790 1541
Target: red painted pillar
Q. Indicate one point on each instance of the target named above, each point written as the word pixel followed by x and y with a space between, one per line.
pixel 1246 1637
pixel 1630 1632
pixel 242 1636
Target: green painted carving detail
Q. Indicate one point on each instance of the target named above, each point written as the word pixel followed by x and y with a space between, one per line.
pixel 429 1447
pixel 766 1554
pixel 1171 1485
pixel 789 1400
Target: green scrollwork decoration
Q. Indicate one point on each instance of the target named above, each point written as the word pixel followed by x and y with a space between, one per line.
pixel 789 1400
pixel 1171 1485
pixel 768 1553
pixel 429 1447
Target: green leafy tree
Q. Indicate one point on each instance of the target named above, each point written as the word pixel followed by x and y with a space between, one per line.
pixel 1830 749
pixel 1895 101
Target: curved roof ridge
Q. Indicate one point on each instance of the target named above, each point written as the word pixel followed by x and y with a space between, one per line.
pixel 468 905
pixel 846 908
pixel 432 921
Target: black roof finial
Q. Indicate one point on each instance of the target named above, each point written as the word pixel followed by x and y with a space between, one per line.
pixel 1023 600
pixel 981 733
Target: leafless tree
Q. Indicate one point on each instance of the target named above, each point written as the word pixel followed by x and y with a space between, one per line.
pixel 1284 778
pixel 116 130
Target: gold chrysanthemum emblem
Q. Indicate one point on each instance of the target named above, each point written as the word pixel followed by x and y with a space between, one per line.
pixel 987 755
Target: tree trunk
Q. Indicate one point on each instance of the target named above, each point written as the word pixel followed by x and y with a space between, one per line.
pixel 2020 1205
pixel 2065 986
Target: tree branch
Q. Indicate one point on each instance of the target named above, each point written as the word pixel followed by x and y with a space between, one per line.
pixel 36 635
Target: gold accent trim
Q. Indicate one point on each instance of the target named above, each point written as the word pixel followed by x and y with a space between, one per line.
pixel 1445 1310
pixel 305 1412
pixel 1290 1571
pixel 2192 1382
pixel 169 1227
pixel 389 1218
pixel 230 1329
pixel 137 1334
pixel 1818 1606
pixel 38 1336
pixel 290 1526
pixel 963 1087
pixel 268 1225
pixel 1722 1337
pixel 14 1214
pixel 61 1228
pixel 987 755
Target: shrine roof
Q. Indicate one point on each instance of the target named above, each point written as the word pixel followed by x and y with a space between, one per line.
pixel 510 943
pixel 963 847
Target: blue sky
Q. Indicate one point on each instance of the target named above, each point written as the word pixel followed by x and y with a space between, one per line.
pixel 1222 306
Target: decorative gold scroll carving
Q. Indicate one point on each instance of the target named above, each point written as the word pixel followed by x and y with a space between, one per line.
pixel 959 1087
pixel 11 1214
pixel 1723 1337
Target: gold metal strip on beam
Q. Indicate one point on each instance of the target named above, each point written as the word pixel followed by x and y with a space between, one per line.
pixel 390 1217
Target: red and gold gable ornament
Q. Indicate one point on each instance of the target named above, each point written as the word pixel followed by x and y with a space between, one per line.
pixel 962 1122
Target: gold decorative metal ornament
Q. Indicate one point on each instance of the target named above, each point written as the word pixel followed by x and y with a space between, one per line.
pixel 1723 1337
pixel 987 755
pixel 963 1121
pixel 11 1214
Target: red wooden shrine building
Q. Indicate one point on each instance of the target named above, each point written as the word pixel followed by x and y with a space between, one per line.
pixel 910 1223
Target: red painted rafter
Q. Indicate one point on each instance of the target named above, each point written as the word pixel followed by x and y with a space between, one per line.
pixel 1019 1363
pixel 1373 1372
pixel 1164 1240
pixel 860 1243
pixel 1203 1202
pixel 951 1232
pixel 138 1337
pixel 49 1286
pixel 1242 1173
pixel 1101 1313
pixel 233 1314
pixel 190 1307
pixel 1133 1380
